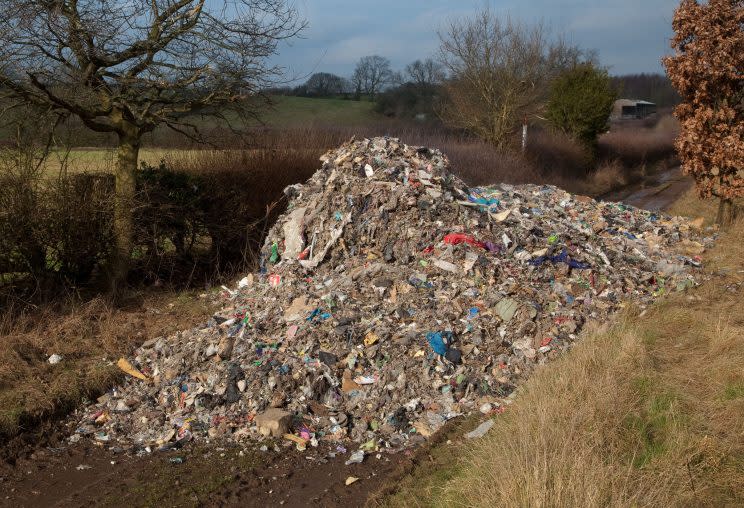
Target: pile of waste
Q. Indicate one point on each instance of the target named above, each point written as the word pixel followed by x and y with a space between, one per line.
pixel 392 298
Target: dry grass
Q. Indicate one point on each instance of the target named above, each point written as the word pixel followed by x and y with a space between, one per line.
pixel 87 336
pixel 643 412
pixel 634 145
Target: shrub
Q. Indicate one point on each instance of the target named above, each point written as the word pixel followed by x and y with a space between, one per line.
pixel 580 103
pixel 197 216
pixel 53 231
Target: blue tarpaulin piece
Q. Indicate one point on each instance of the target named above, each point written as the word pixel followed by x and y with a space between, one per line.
pixel 560 258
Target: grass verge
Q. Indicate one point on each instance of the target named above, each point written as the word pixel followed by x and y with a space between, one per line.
pixel 643 412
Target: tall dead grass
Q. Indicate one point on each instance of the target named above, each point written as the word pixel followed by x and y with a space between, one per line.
pixel 636 145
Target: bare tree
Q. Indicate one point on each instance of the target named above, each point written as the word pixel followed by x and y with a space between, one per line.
pixel 371 75
pixel 499 72
pixel 425 73
pixel 324 84
pixel 127 67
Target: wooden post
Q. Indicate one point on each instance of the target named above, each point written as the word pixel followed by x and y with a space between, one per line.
pixel 524 134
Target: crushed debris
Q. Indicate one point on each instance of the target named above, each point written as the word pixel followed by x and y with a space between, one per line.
pixel 392 298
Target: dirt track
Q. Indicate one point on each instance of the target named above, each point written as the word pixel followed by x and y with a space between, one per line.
pixel 657 193
pixel 89 476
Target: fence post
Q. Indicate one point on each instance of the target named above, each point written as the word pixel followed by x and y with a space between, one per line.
pixel 524 134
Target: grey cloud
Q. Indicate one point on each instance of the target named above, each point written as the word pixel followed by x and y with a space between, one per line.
pixel 630 35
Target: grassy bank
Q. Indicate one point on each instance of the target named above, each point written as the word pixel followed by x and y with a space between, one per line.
pixel 643 412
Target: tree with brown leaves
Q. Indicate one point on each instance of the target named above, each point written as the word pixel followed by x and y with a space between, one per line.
pixel 708 72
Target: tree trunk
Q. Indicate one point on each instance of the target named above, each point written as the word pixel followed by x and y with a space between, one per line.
pixel 725 212
pixel 124 194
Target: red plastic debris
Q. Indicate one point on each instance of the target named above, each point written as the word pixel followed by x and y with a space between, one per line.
pixel 458 238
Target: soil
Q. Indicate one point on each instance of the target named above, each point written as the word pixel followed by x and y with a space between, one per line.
pixel 655 193
pixel 86 475
pixel 60 474
pixel 42 469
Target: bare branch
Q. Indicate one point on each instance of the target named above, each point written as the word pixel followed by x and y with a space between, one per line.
pixel 131 65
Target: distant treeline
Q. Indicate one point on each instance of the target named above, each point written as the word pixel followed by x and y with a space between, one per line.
pixel 411 95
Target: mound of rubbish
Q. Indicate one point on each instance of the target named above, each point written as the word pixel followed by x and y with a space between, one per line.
pixel 392 298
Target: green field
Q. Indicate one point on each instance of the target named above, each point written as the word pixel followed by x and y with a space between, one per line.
pixel 303 111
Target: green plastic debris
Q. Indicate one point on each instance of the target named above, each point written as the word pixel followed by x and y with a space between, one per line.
pixel 274 253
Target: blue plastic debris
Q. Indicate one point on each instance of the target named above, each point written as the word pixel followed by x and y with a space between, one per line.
pixel 320 315
pixel 440 341
pixel 478 197
pixel 437 342
pixel 560 258
pixel 626 234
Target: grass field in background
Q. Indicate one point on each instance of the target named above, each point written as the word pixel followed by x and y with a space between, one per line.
pixel 302 111
pixel 286 113
pixel 103 160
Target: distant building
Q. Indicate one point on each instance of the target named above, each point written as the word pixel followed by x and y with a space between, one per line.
pixel 625 109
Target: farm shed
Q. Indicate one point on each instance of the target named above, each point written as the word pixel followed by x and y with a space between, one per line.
pixel 632 108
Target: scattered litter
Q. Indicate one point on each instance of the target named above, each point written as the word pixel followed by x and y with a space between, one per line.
pixel 350 480
pixel 54 359
pixel 356 458
pixel 480 430
pixel 83 467
pixel 392 298
pixel 127 367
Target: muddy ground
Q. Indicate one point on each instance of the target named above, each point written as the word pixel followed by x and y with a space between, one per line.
pixel 658 192
pixel 43 469
pixel 64 475
pixel 195 476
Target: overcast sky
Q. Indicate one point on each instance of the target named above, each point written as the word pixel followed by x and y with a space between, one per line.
pixel 630 35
